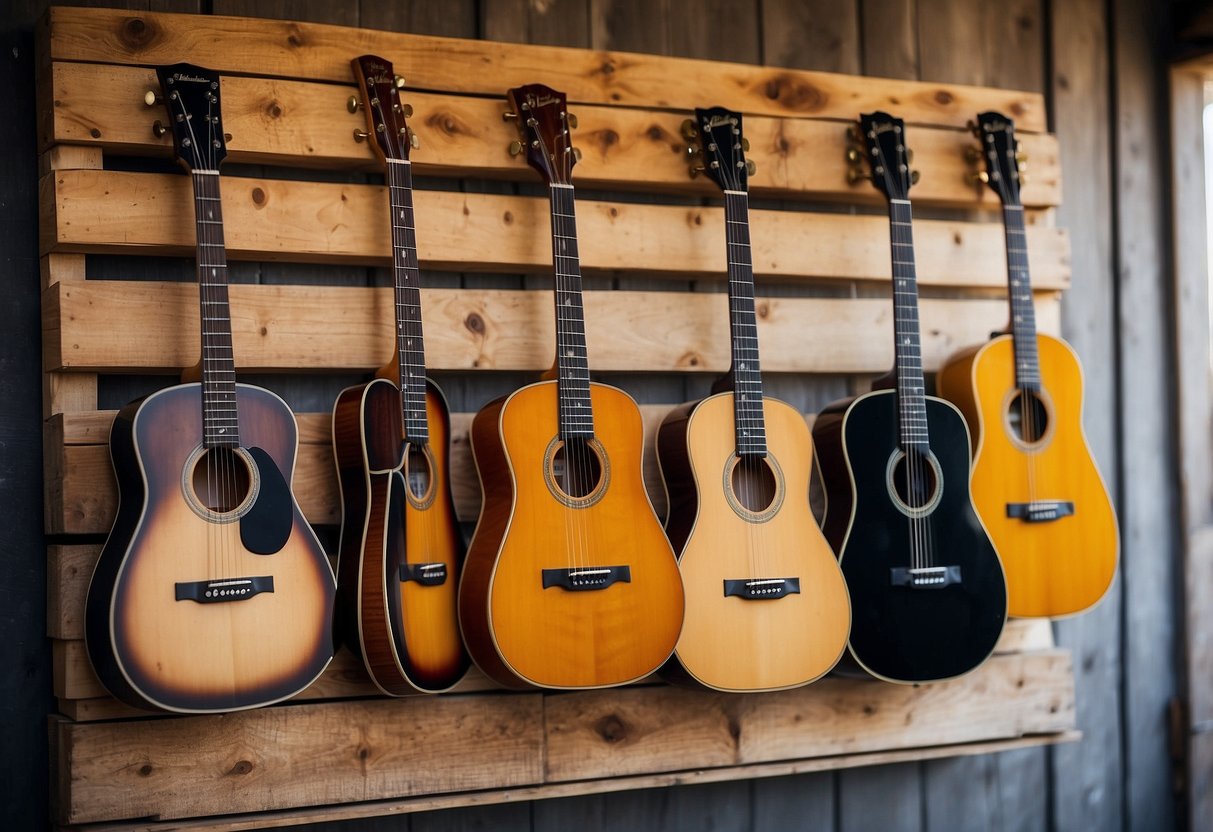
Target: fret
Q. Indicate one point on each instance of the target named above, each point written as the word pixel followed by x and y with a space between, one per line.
pixel 1023 312
pixel 576 414
pixel 749 421
pixel 410 339
pixel 907 351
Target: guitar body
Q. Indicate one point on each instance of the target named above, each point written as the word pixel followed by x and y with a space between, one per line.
pixel 738 643
pixel 1055 567
pixel 231 642
pixel 524 635
pixel 403 624
pixel 901 633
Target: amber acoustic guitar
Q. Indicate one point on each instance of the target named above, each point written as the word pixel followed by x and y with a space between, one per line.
pixel 570 581
pixel 1035 483
pixel 766 605
pixel 212 593
pixel 401 549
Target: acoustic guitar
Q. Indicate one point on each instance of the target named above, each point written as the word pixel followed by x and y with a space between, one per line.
pixel 928 595
pixel 212 592
pixel 401 548
pixel 1035 483
pixel 570 581
pixel 766 605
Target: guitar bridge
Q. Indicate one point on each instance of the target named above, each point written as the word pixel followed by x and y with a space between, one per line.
pixel 221 591
pixel 927 577
pixel 761 589
pixel 426 574
pixel 1040 511
pixel 586 579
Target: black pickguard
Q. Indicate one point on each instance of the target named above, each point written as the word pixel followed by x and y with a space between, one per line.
pixel 901 633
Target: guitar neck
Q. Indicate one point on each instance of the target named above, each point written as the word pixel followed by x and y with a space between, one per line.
pixel 410 343
pixel 1019 290
pixel 572 364
pixel 220 422
pixel 907 348
pixel 748 421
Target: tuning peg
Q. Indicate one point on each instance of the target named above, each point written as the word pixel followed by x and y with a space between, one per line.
pixel 913 177
pixel 695 170
pixel 853 155
pixel 414 140
pixel 361 135
pixel 853 133
pixel 1021 157
pixel 515 148
pixel 750 167
pixel 1023 179
pixel 972 155
pixel 398 81
pixel 909 155
pixel 745 144
pixel 158 129
pixel 577 153
pixel 689 131
pixel 151 98
pixel 855 175
pixel 571 119
pixel 973 128
pixel 977 177
pixel 353 104
pixel 507 116
pixel 407 109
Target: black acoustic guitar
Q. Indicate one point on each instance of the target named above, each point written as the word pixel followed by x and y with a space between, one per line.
pixel 928 596
pixel 212 592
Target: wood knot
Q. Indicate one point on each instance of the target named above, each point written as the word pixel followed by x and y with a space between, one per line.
pixel 795 94
pixel 690 359
pixel 734 729
pixel 606 139
pixel 869 710
pixel 696 218
pixel 242 767
pixel 656 133
pixel 265 331
pixel 446 123
pixel 294 37
pixel 944 97
pixel 508 217
pixel 258 197
pixel 1018 108
pixel 613 211
pixel 611 729
pixel 607 67
pixel 145 770
pixel 273 109
pixel 363 752
pixel 956 238
pixel 763 309
pixel 474 323
pixel 95 133
pixel 137 33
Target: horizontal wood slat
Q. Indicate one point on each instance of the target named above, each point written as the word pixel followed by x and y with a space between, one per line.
pixel 293 123
pixel 311 51
pixel 278 327
pixel 272 219
pixel 302 755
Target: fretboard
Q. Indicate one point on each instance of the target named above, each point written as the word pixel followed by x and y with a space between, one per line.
pixel 572 365
pixel 748 421
pixel 220 422
pixel 1023 312
pixel 410 345
pixel 907 349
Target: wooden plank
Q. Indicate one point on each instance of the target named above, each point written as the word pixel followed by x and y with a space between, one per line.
pixel 301 755
pixel 884 797
pixel 890 39
pixel 1086 779
pixel 291 50
pixel 819 34
pixel 608 785
pixel 276 122
pixel 331 222
pixel 346 328
pixel 633 730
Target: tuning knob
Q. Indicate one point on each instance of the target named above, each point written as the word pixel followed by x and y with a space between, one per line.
pixel 745 144
pixel 353 104
pixel 151 98
pixel 571 119
pixel 695 170
pixel 508 116
pixel 689 131
pixel 909 155
pixel 853 155
pixel 158 129
pixel 914 176
pixel 750 167
pixel 1023 179
pixel 973 128
pixel 361 135
pixel 853 134
pixel 855 175
pixel 972 155
pixel 515 148
pixel 399 82
pixel 977 177
pixel 577 153
pixel 414 140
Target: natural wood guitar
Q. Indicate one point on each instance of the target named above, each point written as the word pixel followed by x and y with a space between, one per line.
pixel 401 548
pixel 1035 483
pixel 212 592
pixel 766 605
pixel 927 589
pixel 570 581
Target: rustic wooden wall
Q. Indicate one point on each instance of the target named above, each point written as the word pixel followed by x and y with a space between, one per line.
pixel 1100 65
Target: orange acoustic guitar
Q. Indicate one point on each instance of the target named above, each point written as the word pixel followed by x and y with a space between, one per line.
pixel 401 549
pixel 1035 483
pixel 570 581
pixel 212 592
pixel 766 604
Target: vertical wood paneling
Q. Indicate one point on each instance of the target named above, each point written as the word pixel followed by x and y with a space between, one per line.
pixel 889 38
pixel 811 34
pixel 1086 776
pixel 884 798
pixel 951 41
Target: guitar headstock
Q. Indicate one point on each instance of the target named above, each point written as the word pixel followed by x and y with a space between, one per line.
pixel 880 140
pixel 717 148
pixel 1004 164
pixel 386 116
pixel 544 123
pixel 191 94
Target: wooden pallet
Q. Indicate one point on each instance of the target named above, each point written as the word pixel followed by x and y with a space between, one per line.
pixel 339 750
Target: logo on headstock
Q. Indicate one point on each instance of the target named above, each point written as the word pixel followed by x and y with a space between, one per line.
pixel 534 101
pixel 720 121
pixel 181 76
pixel 879 129
pixel 997 126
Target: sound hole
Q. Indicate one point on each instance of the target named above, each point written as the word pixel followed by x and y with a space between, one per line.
pixel 221 480
pixel 417 471
pixel 753 483
pixel 576 468
pixel 914 480
pixel 1027 416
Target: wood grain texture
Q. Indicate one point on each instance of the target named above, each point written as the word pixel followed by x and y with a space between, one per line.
pixel 344 328
pixel 285 49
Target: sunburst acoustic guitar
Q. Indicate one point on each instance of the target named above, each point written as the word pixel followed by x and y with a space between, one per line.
pixel 212 592
pixel 570 581
pixel 766 605
pixel 1035 483
pixel 401 548
pixel 928 597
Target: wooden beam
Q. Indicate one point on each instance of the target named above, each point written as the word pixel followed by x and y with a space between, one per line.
pixel 108 326
pixel 274 219
pixel 296 50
